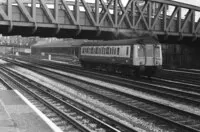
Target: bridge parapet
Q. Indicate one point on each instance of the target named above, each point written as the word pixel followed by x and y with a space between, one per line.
pixel 78 18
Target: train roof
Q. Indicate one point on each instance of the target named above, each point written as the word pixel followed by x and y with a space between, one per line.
pixel 136 40
pixel 58 43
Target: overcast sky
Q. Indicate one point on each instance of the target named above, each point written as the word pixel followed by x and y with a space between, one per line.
pixel 192 2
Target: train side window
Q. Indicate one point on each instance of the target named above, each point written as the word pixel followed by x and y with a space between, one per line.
pixel 92 50
pixel 117 51
pixel 127 51
pixel 96 49
pixel 114 51
pixel 110 52
pixel 88 50
pixel 99 50
pixel 107 50
pixel 82 50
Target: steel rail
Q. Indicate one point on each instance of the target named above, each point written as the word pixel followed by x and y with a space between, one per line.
pixel 57 111
pixel 162 91
pixel 155 114
pixel 63 98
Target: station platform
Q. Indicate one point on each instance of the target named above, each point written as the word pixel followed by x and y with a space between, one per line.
pixel 17 114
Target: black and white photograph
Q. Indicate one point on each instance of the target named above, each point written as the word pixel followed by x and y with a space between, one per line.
pixel 99 65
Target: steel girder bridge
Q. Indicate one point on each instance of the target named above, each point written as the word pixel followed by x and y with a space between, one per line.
pixel 102 19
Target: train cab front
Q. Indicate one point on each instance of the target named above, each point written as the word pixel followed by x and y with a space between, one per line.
pixel 148 58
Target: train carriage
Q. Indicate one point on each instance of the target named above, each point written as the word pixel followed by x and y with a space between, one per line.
pixel 141 55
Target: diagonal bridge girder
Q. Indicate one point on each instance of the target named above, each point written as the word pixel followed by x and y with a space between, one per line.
pixel 145 16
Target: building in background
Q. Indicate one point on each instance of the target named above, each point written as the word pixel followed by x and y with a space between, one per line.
pixel 20 45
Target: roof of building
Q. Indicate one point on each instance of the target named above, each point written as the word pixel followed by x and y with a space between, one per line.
pixel 59 43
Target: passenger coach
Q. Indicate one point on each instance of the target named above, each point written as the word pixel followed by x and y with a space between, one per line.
pixel 141 55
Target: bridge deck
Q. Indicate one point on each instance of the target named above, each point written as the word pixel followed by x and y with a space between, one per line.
pixel 100 20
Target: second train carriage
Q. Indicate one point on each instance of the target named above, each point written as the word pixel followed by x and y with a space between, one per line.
pixel 141 55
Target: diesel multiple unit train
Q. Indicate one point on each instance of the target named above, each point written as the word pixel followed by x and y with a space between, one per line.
pixel 139 55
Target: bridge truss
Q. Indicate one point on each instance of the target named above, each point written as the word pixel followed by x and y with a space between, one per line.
pixel 100 18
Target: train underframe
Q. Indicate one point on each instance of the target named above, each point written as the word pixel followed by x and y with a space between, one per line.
pixel 128 70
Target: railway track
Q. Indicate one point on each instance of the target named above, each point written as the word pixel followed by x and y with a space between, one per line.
pixel 58 108
pixel 188 94
pixel 195 71
pixel 169 117
pixel 180 76
pixel 183 76
pixel 3 84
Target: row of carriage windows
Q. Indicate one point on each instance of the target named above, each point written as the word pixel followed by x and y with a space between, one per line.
pixel 103 50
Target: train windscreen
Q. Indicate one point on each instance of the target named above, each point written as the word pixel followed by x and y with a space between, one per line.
pixel 149 50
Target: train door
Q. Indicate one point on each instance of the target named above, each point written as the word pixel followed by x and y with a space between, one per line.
pixel 150 58
pixel 139 55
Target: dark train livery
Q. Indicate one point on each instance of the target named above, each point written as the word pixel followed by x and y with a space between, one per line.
pixel 141 55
